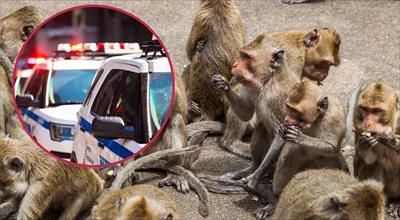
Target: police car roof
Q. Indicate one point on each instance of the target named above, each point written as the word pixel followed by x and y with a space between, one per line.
pixel 157 64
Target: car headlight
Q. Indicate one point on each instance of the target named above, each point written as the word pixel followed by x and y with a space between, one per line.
pixel 60 132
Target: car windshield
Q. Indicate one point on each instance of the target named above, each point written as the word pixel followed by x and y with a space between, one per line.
pixel 69 86
pixel 160 97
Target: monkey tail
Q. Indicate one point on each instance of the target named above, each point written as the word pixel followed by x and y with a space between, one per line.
pixel 217 184
pixel 133 165
pixel 240 149
pixel 350 115
pixel 211 127
pixel 195 183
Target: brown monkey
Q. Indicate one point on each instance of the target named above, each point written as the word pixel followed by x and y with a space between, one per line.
pixel 144 202
pixel 313 130
pixel 309 53
pixel 330 194
pixel 376 141
pixel 42 182
pixel 262 69
pixel 218 32
pixel 14 30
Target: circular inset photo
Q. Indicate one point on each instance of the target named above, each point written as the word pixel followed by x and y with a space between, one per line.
pixel 93 85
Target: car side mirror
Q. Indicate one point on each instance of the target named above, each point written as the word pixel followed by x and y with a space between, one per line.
pixel 111 127
pixel 26 100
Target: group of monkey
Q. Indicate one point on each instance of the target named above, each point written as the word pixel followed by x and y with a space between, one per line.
pixel 270 95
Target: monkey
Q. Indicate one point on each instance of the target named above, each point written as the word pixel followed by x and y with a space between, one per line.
pixel 313 130
pixel 15 29
pixel 212 47
pixel 262 67
pixel 310 54
pixel 330 194
pixel 376 141
pixel 136 202
pixel 41 182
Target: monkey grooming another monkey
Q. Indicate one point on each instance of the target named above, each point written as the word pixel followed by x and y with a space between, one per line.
pixel 144 202
pixel 41 181
pixel 377 144
pixel 313 130
pixel 213 45
pixel 330 194
pixel 309 53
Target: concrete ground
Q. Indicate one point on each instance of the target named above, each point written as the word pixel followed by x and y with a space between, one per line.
pixel 370 50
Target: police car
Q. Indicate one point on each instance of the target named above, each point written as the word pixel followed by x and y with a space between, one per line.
pixel 53 94
pixel 126 105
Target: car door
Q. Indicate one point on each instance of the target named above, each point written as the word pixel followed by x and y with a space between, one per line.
pixel 122 93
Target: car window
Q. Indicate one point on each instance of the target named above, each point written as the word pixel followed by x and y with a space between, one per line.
pixel 123 94
pixel 69 86
pixel 98 75
pixel 36 86
pixel 160 98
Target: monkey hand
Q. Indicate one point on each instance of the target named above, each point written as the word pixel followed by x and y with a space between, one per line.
pixel 194 108
pixel 290 133
pixel 200 46
pixel 366 139
pixel 219 82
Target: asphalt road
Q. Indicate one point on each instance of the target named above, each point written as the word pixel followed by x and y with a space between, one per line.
pixel 370 50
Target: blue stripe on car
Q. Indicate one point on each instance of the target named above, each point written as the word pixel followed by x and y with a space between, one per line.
pixel 112 145
pixel 36 118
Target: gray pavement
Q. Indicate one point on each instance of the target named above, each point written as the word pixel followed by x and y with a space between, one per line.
pixel 370 50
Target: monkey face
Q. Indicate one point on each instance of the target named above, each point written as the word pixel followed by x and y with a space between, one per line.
pixel 322 52
pixel 373 120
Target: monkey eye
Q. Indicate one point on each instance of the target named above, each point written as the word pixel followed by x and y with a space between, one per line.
pixel 376 110
pixel 245 55
pixel 28 29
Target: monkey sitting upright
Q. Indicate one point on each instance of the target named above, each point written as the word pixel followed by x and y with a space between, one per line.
pixel 313 130
pixel 309 54
pixel 330 194
pixel 212 47
pixel 377 144
pixel 39 182
pixel 144 202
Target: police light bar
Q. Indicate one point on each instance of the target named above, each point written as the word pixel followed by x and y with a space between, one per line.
pixel 105 48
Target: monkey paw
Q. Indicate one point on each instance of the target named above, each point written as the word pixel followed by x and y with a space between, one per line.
pixel 290 133
pixel 366 138
pixel 394 211
pixel 264 212
pixel 180 183
pixel 219 82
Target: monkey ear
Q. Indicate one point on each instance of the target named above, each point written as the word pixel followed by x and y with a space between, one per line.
pixel 277 58
pixel 16 164
pixel 323 105
pixel 312 38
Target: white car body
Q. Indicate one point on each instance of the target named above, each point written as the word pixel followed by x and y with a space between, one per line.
pixel 90 149
pixel 39 120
